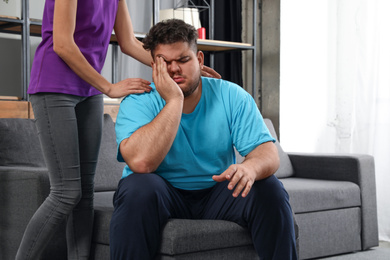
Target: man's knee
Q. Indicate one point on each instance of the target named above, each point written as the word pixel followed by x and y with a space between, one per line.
pixel 137 189
pixel 270 187
pixel 269 194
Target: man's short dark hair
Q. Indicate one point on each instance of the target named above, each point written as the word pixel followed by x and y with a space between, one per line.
pixel 168 32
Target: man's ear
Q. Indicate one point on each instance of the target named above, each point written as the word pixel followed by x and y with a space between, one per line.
pixel 153 60
pixel 200 57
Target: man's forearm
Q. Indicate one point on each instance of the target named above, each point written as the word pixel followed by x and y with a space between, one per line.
pixel 259 164
pixel 145 149
pixel 263 160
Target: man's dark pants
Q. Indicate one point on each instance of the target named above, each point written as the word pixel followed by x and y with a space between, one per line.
pixel 144 203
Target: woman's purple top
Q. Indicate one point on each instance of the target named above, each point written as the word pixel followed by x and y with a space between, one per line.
pixel 94 24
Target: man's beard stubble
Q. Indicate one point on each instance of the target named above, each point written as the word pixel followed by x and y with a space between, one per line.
pixel 187 92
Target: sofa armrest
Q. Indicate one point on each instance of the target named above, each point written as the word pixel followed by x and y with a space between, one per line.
pixel 23 186
pixel 356 168
pixel 336 167
pixel 22 191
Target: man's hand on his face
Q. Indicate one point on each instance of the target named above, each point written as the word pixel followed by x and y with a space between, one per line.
pixel 239 176
pixel 165 85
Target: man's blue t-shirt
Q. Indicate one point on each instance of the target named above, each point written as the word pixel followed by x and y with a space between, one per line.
pixel 225 117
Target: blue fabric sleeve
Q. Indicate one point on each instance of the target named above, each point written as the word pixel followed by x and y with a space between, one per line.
pixel 136 111
pixel 248 127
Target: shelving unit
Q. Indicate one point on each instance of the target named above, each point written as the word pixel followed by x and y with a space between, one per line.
pixel 24 30
pixel 27 27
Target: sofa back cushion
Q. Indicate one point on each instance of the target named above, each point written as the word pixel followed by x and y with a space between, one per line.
pixel 109 170
pixel 19 143
pixel 285 169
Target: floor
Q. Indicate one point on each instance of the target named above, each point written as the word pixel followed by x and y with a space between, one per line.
pixel 384 244
pixel 382 252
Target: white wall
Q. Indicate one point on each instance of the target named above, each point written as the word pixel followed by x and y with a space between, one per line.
pixel 335 83
pixel 304 76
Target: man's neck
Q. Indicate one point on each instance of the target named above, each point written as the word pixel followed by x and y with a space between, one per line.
pixel 192 100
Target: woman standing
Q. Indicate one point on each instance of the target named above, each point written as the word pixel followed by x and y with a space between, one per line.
pixel 66 94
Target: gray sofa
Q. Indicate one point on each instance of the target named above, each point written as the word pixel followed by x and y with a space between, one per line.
pixel 333 197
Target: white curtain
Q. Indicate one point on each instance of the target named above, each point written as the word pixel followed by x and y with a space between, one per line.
pixel 335 83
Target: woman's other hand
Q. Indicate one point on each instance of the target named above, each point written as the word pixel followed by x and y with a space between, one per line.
pixel 209 72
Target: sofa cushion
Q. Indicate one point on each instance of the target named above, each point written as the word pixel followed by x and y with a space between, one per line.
pixel 109 170
pixel 330 232
pixel 19 143
pixel 179 236
pixel 285 169
pixel 182 236
pixel 310 195
pixel 104 207
pixel 26 151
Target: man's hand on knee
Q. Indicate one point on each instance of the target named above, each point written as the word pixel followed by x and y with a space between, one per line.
pixel 240 178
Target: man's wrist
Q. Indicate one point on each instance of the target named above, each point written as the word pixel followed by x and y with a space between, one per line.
pixel 177 101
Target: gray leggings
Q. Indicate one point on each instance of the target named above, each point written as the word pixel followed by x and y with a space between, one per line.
pixel 69 129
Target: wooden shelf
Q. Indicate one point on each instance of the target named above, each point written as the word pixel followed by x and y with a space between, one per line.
pixel 15 26
pixel 12 98
pixel 205 45
pixel 15 109
pixel 9 17
pixel 214 45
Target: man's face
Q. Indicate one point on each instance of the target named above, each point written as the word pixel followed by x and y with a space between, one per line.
pixel 183 64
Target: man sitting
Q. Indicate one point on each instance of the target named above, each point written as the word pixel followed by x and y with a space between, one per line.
pixel 178 143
